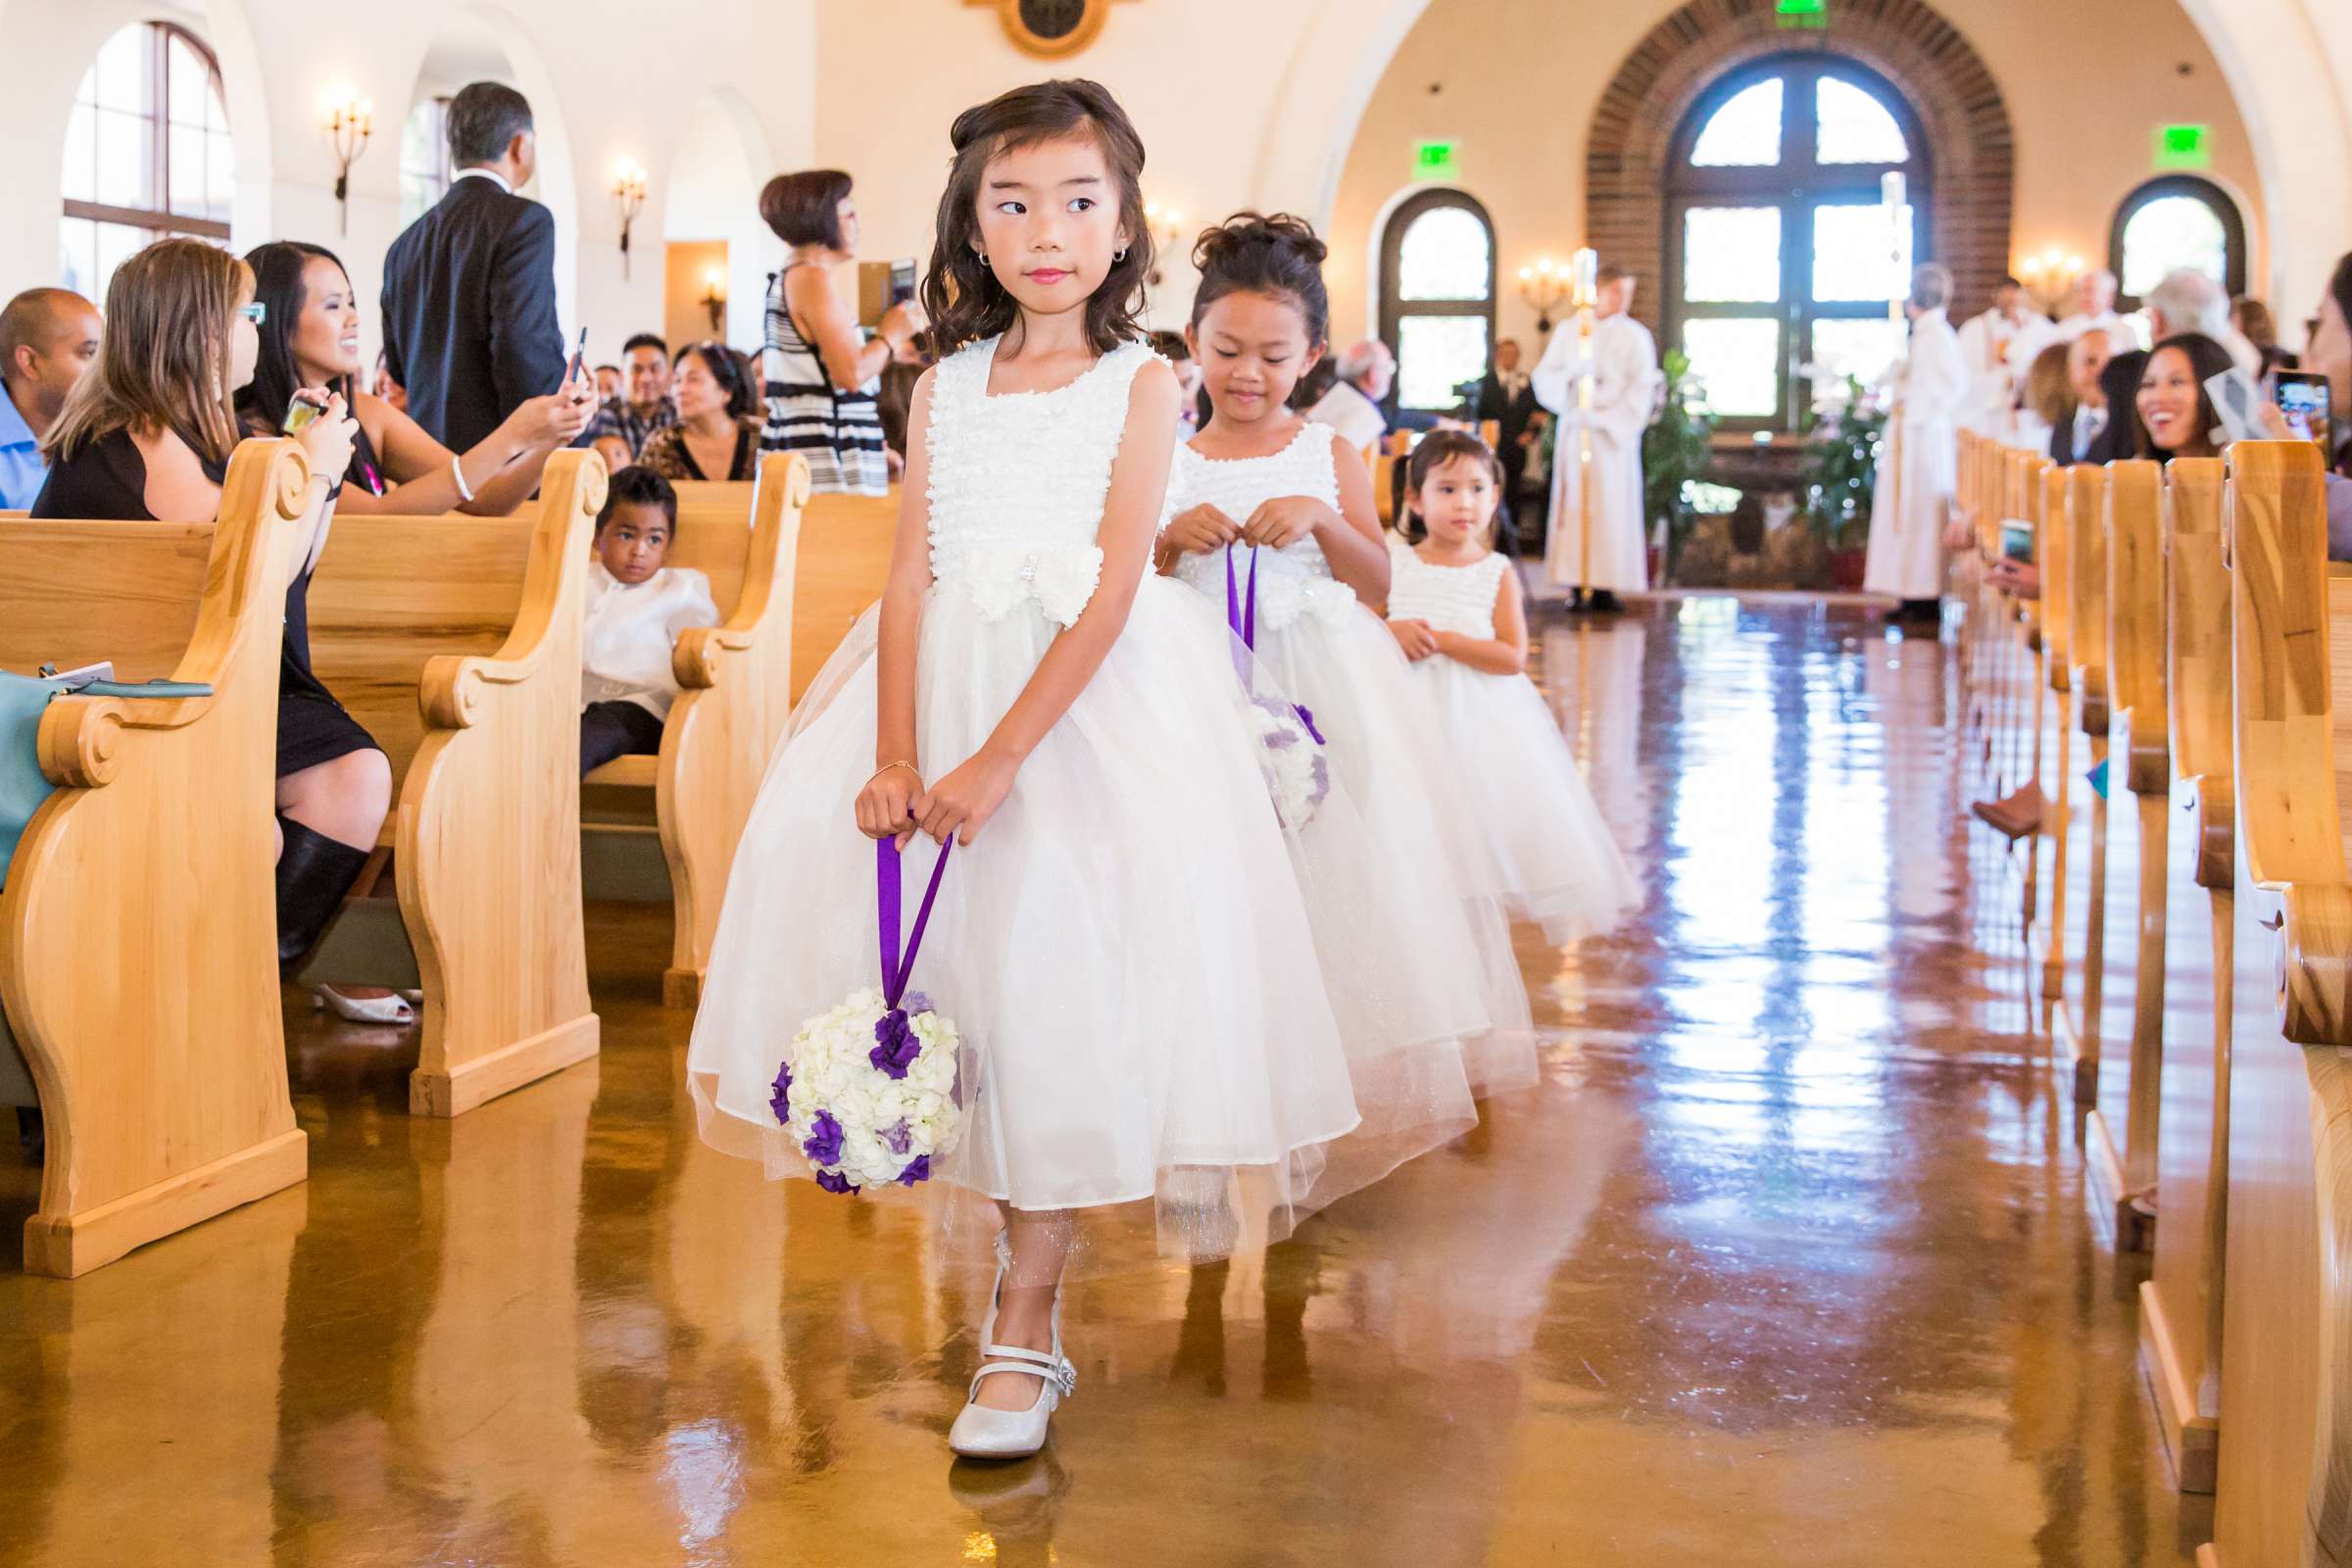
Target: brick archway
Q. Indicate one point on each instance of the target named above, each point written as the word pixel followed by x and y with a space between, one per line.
pixel 1915 48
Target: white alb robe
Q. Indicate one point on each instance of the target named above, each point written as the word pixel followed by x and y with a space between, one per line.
pixel 1906 530
pixel 1625 391
pixel 1999 353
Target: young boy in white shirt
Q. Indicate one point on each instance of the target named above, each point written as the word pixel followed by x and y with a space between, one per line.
pixel 636 608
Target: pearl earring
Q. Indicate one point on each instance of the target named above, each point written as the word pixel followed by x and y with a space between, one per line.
pixel 983 254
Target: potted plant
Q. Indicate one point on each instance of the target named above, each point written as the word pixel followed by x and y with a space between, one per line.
pixel 1674 455
pixel 1840 467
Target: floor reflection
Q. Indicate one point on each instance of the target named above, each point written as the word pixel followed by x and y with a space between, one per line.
pixel 1787 1260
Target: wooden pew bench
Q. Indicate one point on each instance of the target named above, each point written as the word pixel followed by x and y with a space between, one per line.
pixel 456 640
pixel 138 975
pixel 2284 1489
pixel 738 683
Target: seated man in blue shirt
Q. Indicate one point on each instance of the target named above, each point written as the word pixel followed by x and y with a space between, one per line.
pixel 48 336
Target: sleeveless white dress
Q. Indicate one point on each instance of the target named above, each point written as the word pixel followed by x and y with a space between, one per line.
pixel 1123 948
pixel 1538 839
pixel 1421 971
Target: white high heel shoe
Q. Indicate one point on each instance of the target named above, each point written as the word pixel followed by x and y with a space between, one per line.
pixel 980 1433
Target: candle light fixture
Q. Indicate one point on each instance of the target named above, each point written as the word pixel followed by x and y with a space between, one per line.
pixel 349 122
pixel 2050 277
pixel 1543 285
pixel 714 300
pixel 1166 225
pixel 628 200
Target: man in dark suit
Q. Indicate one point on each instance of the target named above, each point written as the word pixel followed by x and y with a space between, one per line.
pixel 1508 397
pixel 2074 438
pixel 2120 382
pixel 469 288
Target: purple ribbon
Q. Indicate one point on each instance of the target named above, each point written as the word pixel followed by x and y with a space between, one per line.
pixel 886 889
pixel 1242 620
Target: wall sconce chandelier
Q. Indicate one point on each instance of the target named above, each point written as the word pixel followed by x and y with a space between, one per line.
pixel 349 122
pixel 628 200
pixel 2050 277
pixel 1543 286
pixel 714 300
pixel 1166 225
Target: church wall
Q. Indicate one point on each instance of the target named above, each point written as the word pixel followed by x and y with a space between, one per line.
pixel 1518 86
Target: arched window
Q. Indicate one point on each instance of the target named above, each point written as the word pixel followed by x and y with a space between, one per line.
pixel 2178 220
pixel 1779 258
pixel 1437 296
pixel 424 171
pixel 147 152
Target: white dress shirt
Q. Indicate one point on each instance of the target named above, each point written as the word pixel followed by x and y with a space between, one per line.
pixel 631 630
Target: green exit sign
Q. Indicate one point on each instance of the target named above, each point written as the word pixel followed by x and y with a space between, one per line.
pixel 1801 12
pixel 2184 146
pixel 1436 159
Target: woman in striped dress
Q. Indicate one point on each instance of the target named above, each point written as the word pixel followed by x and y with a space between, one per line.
pixel 822 378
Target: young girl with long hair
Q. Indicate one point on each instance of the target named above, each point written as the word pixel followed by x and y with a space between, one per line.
pixel 1118 940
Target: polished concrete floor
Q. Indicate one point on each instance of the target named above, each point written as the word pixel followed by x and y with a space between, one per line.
pixel 1786 1261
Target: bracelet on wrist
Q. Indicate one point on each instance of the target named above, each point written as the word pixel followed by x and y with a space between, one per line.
pixel 886 766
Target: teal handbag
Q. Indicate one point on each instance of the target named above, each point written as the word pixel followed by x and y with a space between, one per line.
pixel 22 784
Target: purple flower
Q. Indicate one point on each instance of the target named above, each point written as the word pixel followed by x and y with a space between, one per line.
pixel 916 1001
pixel 823 1146
pixel 781 1101
pixel 1308 720
pixel 898 1047
pixel 918 1169
pixel 898 1137
pixel 833 1181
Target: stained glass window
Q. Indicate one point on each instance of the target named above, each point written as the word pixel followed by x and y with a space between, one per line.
pixel 1731 255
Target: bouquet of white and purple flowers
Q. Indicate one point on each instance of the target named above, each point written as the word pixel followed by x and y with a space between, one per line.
pixel 1297 775
pixel 867 1089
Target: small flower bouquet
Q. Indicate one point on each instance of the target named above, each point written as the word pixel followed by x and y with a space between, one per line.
pixel 867 1089
pixel 1297 775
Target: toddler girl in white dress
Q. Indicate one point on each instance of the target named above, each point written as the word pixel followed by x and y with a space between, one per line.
pixel 1455 609
pixel 1422 973
pixel 1119 938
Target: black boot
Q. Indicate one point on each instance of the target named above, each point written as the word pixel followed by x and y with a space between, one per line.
pixel 314 872
pixel 1607 603
pixel 1576 600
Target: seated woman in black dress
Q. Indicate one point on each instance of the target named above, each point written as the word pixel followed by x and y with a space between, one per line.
pixel 311 340
pixel 147 433
pixel 717 433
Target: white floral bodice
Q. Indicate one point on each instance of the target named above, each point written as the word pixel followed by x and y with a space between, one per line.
pixel 1293 581
pixel 1019 480
pixel 1455 599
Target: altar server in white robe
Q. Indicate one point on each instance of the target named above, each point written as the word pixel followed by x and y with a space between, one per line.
pixel 1917 463
pixel 1624 367
pixel 1998 348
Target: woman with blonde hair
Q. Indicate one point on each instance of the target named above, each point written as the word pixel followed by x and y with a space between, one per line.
pixel 2049 394
pixel 147 433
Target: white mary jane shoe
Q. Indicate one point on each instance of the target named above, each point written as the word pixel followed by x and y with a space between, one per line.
pixel 980 1433
pixel 362 1009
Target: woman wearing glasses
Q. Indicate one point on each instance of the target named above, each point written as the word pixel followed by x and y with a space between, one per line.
pixel 147 433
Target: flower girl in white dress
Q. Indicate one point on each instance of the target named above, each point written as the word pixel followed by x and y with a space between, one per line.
pixel 1282 508
pixel 1119 938
pixel 1456 609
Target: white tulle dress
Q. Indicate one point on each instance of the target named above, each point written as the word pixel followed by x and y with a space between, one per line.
pixel 1421 968
pixel 1539 842
pixel 1123 948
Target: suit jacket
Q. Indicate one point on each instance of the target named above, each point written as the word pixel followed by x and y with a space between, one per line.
pixel 469 311
pixel 1511 413
pixel 2120 382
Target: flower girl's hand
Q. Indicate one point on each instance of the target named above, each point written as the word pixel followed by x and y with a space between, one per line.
pixel 885 805
pixel 1415 637
pixel 1285 520
pixel 961 803
pixel 1197 530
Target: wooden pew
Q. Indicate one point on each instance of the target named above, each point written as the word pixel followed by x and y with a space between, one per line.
pixel 844 563
pixel 2141 781
pixel 2045 484
pixel 737 687
pixel 2285 1491
pixel 2079 924
pixel 139 967
pixel 2181 1302
pixel 456 640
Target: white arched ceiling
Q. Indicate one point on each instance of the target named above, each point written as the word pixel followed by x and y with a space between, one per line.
pixel 1306 146
pixel 715 170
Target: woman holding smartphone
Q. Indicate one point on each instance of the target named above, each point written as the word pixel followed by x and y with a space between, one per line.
pixel 312 339
pixel 147 433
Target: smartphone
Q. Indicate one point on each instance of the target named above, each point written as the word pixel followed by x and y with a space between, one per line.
pixel 2017 542
pixel 2302 397
pixel 579 354
pixel 299 412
